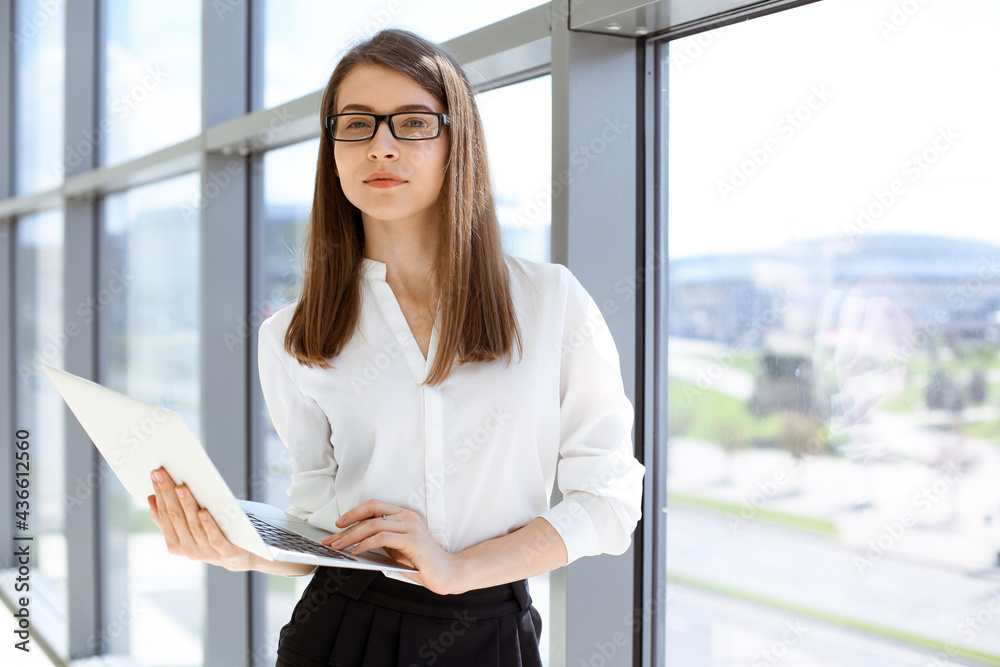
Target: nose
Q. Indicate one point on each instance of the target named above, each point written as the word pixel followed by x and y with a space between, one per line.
pixel 383 145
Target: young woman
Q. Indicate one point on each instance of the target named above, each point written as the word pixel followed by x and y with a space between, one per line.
pixel 412 424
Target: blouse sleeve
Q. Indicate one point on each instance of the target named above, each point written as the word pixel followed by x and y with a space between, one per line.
pixel 304 429
pixel 598 474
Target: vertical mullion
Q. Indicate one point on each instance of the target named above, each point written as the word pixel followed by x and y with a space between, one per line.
pixel 7 281
pixel 225 311
pixel 86 568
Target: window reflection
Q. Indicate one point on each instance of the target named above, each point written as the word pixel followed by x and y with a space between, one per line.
pixel 38 43
pixel 834 314
pixel 304 40
pixel 148 309
pixel 40 338
pixel 152 77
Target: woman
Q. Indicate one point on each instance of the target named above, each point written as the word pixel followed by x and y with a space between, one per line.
pixel 411 424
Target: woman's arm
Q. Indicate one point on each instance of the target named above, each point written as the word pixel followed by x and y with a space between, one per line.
pixel 533 549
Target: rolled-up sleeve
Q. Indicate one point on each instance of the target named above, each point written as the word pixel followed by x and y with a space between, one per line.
pixel 302 426
pixel 598 474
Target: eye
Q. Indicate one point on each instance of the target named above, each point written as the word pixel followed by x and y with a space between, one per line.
pixel 416 122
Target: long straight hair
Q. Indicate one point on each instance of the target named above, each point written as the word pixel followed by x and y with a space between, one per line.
pixel 478 322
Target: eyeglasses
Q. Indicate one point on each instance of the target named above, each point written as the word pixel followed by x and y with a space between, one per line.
pixel 405 125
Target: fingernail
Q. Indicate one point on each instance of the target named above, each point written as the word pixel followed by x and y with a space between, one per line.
pixel 181 493
pixel 157 476
pixel 336 544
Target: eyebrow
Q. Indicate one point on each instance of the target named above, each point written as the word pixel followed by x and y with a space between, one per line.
pixel 405 107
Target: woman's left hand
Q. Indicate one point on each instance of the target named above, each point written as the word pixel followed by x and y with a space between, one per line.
pixel 405 537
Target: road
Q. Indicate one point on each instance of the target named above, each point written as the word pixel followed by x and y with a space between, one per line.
pixel 818 573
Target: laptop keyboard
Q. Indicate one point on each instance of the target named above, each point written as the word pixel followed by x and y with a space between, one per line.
pixel 289 541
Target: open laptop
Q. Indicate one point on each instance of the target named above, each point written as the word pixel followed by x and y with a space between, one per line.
pixel 136 437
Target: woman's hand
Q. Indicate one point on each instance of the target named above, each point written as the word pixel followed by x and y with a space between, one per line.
pixel 405 537
pixel 190 531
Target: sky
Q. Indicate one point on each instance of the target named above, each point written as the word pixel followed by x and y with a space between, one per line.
pixel 874 88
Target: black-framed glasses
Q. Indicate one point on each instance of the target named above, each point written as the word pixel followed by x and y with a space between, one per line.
pixel 405 125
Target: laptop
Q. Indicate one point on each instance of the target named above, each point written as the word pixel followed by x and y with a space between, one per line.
pixel 136 437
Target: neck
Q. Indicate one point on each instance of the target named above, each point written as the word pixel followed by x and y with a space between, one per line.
pixel 408 248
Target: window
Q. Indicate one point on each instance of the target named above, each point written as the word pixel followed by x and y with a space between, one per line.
pixel 148 308
pixel 41 338
pixel 833 320
pixel 38 56
pixel 283 191
pixel 152 77
pixel 521 164
pixel 304 40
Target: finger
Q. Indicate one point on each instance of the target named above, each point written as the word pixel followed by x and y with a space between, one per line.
pixel 359 531
pixel 190 508
pixel 164 523
pixel 216 539
pixel 384 539
pixel 366 510
pixel 175 513
pixel 153 514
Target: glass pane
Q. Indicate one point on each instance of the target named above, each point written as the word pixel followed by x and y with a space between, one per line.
pixel 152 76
pixel 40 338
pixel 38 43
pixel 833 321
pixel 303 39
pixel 148 303
pixel 521 165
pixel 287 177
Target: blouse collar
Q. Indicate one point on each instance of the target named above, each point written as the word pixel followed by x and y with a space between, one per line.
pixel 373 269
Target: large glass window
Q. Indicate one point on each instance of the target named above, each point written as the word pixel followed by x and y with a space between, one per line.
pixel 303 40
pixel 833 317
pixel 148 309
pixel 152 77
pixel 41 338
pixel 37 43
pixel 283 181
pixel 521 164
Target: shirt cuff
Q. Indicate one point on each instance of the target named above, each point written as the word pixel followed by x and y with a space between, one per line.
pixel 575 526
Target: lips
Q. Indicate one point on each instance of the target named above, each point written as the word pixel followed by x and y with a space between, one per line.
pixel 384 179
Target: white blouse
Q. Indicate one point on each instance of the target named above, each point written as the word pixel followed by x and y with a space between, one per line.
pixel 476 456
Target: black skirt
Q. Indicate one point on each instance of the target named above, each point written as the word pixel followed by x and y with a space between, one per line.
pixel 361 618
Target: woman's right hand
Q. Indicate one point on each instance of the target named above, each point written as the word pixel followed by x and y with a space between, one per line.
pixel 191 531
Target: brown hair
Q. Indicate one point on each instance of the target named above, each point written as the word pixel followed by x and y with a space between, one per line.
pixel 478 322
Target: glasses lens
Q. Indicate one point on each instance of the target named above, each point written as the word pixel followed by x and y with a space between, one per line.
pixel 415 125
pixel 353 127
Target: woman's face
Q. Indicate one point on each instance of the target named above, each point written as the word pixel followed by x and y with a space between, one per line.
pixel 390 179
